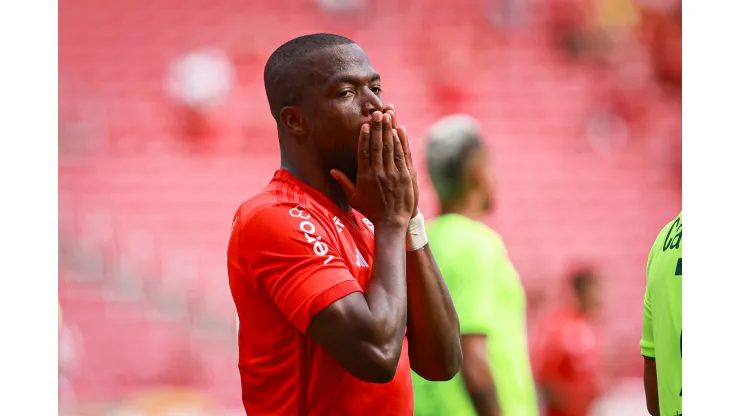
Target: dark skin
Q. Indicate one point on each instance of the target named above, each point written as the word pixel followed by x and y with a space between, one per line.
pixel 477 375
pixel 650 379
pixel 474 203
pixel 373 174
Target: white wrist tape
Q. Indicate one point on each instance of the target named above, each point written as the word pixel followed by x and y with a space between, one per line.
pixel 416 236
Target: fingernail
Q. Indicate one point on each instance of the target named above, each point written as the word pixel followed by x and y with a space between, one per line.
pixel 365 128
pixel 377 116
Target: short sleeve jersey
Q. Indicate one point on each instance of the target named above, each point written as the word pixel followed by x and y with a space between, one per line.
pixel 293 252
pixel 489 299
pixel 662 335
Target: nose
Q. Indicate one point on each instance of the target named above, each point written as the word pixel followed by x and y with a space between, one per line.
pixel 372 103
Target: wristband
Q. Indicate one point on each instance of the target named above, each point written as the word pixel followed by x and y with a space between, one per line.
pixel 416 236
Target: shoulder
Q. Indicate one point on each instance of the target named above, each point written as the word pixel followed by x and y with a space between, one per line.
pixel 484 237
pixel 674 225
pixel 465 229
pixel 272 209
pixel 669 237
pixel 472 238
pixel 274 220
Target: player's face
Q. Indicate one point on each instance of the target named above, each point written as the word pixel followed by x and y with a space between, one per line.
pixel 486 181
pixel 347 94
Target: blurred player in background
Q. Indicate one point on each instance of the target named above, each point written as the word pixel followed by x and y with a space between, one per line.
pixel 568 352
pixel 496 377
pixel 337 292
pixel 662 334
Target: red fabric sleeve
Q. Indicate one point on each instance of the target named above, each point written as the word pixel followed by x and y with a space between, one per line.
pixel 287 250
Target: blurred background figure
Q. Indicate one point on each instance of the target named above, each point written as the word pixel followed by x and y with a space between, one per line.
pixel 165 128
pixel 199 83
pixel 496 377
pixel 569 352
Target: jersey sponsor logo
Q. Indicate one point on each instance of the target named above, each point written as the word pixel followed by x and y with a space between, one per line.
pixel 673 238
pixel 360 260
pixel 369 224
pixel 299 211
pixel 338 224
pixel 308 228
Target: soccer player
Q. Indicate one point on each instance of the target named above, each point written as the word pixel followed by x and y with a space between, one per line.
pixel 337 292
pixel 662 335
pixel 485 288
pixel 568 352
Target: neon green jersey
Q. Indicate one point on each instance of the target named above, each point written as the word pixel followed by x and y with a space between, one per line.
pixel 489 300
pixel 661 326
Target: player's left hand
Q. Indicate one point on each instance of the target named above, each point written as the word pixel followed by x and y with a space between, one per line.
pixel 403 136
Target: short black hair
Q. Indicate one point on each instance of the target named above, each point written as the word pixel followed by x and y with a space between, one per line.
pixel 285 70
pixel 451 142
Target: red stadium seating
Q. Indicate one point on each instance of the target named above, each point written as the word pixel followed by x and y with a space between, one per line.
pixel 139 201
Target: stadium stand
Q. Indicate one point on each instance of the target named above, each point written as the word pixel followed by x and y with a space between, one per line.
pixel 144 222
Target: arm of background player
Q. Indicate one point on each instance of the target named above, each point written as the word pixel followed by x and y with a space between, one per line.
pixel 433 328
pixel 476 373
pixel 650 379
pixel 647 347
pixel 364 333
pixel 472 289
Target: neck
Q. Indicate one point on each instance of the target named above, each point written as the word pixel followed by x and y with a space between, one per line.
pixel 315 176
pixel 466 207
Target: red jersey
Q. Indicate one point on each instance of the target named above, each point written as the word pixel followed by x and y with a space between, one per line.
pixel 293 252
pixel 568 358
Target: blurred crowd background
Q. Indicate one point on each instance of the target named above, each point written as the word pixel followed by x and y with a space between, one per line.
pixel 164 129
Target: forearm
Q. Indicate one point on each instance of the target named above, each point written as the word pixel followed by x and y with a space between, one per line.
pixel 477 375
pixel 386 292
pixel 434 329
pixel 484 401
pixel 364 331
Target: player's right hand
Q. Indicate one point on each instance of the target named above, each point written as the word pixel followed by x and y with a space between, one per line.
pixel 384 192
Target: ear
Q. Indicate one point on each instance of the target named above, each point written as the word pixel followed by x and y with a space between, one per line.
pixel 293 121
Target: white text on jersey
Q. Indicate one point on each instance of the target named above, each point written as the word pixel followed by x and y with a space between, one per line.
pixel 309 231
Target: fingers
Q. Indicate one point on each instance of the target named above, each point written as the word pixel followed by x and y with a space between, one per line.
pixel 363 149
pixel 388 160
pixel 376 141
pixel 406 148
pixel 391 109
pixel 398 154
pixel 344 182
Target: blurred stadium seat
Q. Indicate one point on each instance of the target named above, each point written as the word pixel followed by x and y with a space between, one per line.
pixel 144 222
